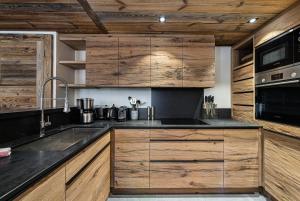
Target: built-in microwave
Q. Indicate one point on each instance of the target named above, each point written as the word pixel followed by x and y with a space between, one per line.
pixel 281 51
pixel 277 79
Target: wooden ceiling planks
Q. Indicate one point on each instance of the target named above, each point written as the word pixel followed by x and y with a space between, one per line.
pixel 226 19
pixel 65 16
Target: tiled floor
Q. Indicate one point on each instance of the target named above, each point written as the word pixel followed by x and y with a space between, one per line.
pixel 244 197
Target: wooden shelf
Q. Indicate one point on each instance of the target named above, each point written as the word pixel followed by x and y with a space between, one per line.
pixel 74 64
pixel 74 43
pixel 80 86
pixel 243 65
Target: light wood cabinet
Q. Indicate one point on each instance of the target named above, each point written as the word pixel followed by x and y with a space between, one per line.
pixel 74 165
pixel 199 61
pixel 93 183
pixel 134 61
pixel 102 68
pixel 50 188
pixel 166 62
pixel 131 159
pixel 281 166
pixel 241 158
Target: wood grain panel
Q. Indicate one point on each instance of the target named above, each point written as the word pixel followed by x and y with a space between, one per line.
pixel 93 184
pixel 102 73
pixel 186 175
pixel 131 165
pixel 243 73
pixel 281 166
pixel 187 134
pixel 186 150
pixel 166 62
pixel 241 158
pixel 282 23
pixel 100 48
pixel 131 135
pixel 243 86
pixel 243 99
pixel 134 61
pixel 243 113
pixel 131 158
pixel 51 187
pixel 74 165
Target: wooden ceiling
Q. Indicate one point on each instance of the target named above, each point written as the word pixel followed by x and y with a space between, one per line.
pixel 226 19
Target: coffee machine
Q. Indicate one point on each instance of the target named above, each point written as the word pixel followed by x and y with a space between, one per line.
pixel 86 108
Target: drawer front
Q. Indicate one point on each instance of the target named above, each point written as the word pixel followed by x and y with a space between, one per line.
pixel 187 134
pixel 80 160
pixel 50 188
pixel 131 135
pixel 186 150
pixel 243 86
pixel 131 168
pixel 186 175
pixel 93 183
pixel 243 73
pixel 241 158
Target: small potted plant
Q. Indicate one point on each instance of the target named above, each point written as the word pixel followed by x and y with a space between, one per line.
pixel 134 104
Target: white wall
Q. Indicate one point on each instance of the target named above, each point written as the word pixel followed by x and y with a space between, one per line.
pixel 119 96
pixel 222 89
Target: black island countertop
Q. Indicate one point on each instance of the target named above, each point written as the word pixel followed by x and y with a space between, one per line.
pixel 28 164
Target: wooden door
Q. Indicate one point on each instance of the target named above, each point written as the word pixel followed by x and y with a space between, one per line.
pixel 241 158
pixel 93 183
pixel 102 61
pixel 131 155
pixel 25 62
pixel 281 166
pixel 134 61
pixel 166 62
pixel 199 61
pixel 50 188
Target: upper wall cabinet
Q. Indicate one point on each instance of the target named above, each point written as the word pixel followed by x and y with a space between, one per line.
pixel 150 60
pixel 199 61
pixel 102 61
pixel 166 62
pixel 134 61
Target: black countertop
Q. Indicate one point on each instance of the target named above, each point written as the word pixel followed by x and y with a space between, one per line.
pixel 27 164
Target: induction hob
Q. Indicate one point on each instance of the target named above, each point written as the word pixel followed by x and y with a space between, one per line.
pixel 182 122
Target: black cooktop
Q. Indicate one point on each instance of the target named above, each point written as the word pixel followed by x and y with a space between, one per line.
pixel 182 122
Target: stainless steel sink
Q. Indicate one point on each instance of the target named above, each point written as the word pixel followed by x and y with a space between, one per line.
pixel 62 140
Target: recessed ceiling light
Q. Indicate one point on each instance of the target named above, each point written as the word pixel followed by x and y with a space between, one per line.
pixel 253 20
pixel 291 30
pixel 162 19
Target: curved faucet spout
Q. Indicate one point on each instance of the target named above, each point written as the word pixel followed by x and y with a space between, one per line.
pixel 43 124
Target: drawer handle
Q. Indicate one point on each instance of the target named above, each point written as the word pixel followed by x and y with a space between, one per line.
pixel 186 161
pixel 179 140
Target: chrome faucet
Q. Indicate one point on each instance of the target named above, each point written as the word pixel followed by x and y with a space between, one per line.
pixel 43 124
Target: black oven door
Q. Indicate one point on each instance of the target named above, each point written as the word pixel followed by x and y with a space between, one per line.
pixel 274 54
pixel 297 45
pixel 278 103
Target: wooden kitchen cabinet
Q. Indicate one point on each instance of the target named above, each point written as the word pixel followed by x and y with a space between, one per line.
pixel 166 62
pixel 102 68
pixel 186 158
pixel 131 158
pixel 199 61
pixel 241 158
pixel 281 166
pixel 134 61
pixel 50 188
pixel 93 183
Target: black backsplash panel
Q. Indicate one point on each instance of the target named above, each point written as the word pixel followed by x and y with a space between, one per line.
pixel 15 126
pixel 177 102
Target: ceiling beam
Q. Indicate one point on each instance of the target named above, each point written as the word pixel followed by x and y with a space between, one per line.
pixel 87 8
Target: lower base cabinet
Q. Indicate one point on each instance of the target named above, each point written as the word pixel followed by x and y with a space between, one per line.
pixel 93 183
pixel 282 166
pixel 48 189
pixel 186 159
pixel 85 177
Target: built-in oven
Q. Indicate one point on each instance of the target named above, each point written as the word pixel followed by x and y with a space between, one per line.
pixel 277 79
pixel 282 51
